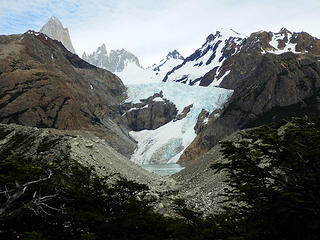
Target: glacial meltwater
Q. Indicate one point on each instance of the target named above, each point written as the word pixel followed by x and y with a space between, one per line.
pixel 163 169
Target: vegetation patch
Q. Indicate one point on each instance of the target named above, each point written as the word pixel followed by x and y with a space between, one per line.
pixel 273 193
pixel 47 143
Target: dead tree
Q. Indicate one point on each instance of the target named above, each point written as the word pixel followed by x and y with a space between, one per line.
pixel 37 203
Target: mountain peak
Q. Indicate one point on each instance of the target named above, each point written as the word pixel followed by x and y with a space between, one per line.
pixel 175 55
pixel 55 30
pixel 284 30
pixel 102 49
pixel 54 18
pixel 229 31
pixel 115 61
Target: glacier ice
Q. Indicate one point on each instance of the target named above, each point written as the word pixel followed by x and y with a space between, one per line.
pixel 166 143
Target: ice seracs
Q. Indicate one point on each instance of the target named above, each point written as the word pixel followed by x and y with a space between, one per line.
pixel 166 143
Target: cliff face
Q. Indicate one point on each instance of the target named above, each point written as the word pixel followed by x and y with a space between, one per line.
pixel 42 84
pixel 55 30
pixel 270 82
pixel 150 114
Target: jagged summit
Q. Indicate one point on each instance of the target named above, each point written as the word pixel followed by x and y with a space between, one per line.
pixel 282 42
pixel 284 30
pixel 174 58
pixel 101 52
pixel 115 61
pixel 209 64
pixel 55 30
pixel 175 55
pixel 103 49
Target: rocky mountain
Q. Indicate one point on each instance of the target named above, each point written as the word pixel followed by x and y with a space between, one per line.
pixel 133 74
pixel 209 64
pixel 55 30
pixel 116 61
pixel 274 76
pixel 170 56
pixel 44 85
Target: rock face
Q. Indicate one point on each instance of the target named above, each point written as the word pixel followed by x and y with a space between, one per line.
pixel 99 58
pixel 151 114
pixel 209 64
pixel 42 84
pixel 55 30
pixel 184 113
pixel 116 61
pixel 274 76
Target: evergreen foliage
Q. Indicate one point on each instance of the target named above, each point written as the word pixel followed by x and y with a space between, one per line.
pixel 273 192
pixel 274 181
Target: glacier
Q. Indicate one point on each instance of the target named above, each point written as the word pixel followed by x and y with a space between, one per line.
pixel 166 143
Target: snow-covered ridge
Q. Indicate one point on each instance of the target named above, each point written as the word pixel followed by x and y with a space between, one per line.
pixel 170 56
pixel 211 56
pixel 284 37
pixel 37 33
pixel 167 143
pixel 132 74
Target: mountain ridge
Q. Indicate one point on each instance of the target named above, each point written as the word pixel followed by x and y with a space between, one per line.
pixel 115 61
pixel 45 85
pixel 209 64
pixel 133 74
pixel 270 82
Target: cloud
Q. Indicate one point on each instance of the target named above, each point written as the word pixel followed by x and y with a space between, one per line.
pixel 151 28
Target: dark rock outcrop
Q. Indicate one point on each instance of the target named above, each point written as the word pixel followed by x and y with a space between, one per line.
pixel 184 113
pixel 267 87
pixel 149 114
pixel 201 121
pixel 44 85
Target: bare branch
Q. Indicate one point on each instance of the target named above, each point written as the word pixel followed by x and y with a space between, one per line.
pixel 37 204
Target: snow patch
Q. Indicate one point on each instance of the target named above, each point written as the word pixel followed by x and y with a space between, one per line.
pixel 289 47
pixel 132 74
pixel 158 99
pixel 135 108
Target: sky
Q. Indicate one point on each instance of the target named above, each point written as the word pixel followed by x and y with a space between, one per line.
pixel 151 28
